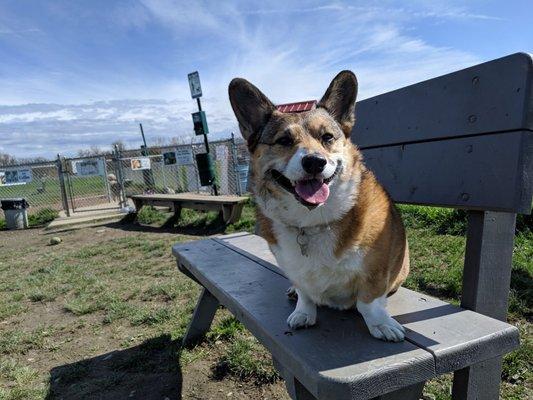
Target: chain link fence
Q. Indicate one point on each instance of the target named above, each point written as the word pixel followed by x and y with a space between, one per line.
pixel 39 183
pixel 83 183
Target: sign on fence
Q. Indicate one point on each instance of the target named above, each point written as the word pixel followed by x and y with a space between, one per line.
pixel 140 163
pixel 182 156
pixel 15 177
pixel 89 167
pixel 169 158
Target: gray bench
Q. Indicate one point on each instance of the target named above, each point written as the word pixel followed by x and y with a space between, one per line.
pixel 462 140
pixel 230 207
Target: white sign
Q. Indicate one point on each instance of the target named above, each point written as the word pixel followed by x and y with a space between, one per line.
pixel 15 177
pixel 184 156
pixel 140 163
pixel 89 167
pixel 194 84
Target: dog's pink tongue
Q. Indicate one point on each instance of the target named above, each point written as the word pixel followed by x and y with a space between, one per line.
pixel 313 191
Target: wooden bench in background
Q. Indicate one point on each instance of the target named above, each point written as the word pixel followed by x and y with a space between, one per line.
pixel 230 207
pixel 462 140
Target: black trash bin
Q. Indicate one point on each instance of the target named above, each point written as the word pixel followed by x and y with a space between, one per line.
pixel 16 213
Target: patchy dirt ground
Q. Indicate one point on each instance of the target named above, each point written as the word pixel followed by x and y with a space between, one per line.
pixel 100 316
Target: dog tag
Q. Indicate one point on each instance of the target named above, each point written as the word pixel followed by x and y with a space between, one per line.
pixel 303 241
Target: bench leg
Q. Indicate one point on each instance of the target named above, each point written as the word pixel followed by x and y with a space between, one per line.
pixel 175 218
pixel 413 392
pixel 201 319
pixel 231 213
pixel 480 381
pixel 295 389
pixel 486 281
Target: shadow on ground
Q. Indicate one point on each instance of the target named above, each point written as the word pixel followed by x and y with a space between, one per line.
pixel 148 371
pixel 199 227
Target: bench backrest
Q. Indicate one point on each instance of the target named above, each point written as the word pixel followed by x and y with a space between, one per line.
pixel 461 140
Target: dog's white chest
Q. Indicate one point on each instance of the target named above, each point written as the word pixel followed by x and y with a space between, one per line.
pixel 307 257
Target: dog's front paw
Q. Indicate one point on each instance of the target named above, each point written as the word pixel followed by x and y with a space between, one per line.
pixel 390 331
pixel 299 319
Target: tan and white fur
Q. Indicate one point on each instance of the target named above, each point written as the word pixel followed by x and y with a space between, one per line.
pixel 311 187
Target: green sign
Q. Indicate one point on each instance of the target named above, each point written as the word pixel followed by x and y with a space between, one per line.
pixel 200 123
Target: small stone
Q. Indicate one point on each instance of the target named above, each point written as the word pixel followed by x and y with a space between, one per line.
pixel 55 240
pixel 100 230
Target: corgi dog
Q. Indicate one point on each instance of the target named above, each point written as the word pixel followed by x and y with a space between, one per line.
pixel 331 226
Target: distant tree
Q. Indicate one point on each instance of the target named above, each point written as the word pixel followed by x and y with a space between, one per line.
pixel 32 160
pixel 119 144
pixel 183 139
pixel 7 159
pixel 94 150
pixel 159 141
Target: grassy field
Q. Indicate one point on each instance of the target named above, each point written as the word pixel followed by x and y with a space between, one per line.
pixel 101 314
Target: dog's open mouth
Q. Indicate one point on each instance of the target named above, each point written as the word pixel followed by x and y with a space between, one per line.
pixel 310 192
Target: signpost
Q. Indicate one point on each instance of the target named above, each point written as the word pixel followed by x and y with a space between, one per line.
pixel 204 161
pixel 148 177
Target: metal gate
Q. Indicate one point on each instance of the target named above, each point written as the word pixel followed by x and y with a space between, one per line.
pixel 88 182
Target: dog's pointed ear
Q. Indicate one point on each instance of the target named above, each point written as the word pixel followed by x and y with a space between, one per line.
pixel 251 107
pixel 339 100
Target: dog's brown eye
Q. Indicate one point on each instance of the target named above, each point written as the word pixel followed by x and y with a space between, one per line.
pixel 285 141
pixel 328 138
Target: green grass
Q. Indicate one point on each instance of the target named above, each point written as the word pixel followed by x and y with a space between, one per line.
pixel 150 215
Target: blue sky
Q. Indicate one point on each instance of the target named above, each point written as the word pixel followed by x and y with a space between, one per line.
pixel 79 73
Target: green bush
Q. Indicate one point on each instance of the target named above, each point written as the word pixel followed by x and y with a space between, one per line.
pixel 150 215
pixel 42 217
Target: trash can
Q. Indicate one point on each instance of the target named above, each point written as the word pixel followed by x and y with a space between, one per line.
pixel 15 212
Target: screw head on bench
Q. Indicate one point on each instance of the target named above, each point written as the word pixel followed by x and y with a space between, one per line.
pixel 465 196
pixel 472 118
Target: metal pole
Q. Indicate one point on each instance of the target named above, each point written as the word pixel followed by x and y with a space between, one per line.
pixel 235 165
pixel 106 181
pixel 120 177
pixel 215 189
pixel 144 140
pixel 148 175
pixel 62 185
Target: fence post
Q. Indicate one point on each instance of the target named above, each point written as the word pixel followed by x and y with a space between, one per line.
pixel 62 185
pixel 120 177
pixel 106 181
pixel 235 165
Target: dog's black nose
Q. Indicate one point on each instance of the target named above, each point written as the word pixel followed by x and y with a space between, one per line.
pixel 314 163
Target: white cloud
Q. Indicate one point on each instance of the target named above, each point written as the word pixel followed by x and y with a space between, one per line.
pixel 289 51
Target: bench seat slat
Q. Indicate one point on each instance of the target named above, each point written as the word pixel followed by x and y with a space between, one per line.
pixel 362 367
pixel 191 197
pixel 455 336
